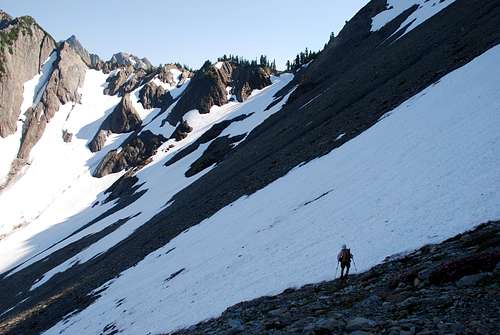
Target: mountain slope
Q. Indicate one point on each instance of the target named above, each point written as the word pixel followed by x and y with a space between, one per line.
pixel 451 287
pixel 383 191
pixel 387 141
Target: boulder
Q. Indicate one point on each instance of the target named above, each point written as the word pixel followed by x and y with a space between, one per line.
pixel 472 280
pixel 359 323
pixel 182 130
pixel 67 136
pixel 124 118
pixel 153 96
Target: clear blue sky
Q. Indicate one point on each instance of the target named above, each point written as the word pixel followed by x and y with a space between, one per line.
pixel 191 31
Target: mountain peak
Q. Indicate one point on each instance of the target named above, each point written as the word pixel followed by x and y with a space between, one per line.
pixel 124 58
pixel 5 18
pixel 75 44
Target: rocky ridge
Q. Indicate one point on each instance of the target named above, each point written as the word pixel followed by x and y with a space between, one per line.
pixel 24 46
pixel 447 288
pixel 214 84
pixel 66 77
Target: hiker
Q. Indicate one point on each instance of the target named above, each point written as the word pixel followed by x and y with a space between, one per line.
pixel 344 258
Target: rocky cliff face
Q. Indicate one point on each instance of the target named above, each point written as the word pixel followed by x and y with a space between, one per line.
pixel 135 152
pixel 24 46
pixel 80 50
pixel 153 96
pixel 209 87
pixel 123 119
pixel 245 79
pixel 125 80
pixel 62 87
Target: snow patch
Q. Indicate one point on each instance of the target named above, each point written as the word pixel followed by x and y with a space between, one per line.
pixel 426 9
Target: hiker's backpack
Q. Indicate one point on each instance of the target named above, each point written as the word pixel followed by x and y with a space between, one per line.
pixel 345 256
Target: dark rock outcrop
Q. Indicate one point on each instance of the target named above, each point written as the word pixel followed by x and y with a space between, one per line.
pixel 97 143
pixel 124 187
pixel 245 79
pixel 395 297
pixel 24 46
pixel 135 152
pixel 125 81
pixel 123 119
pixel 67 136
pixel 215 153
pixel 182 131
pixel 209 87
pixel 206 137
pixel 154 96
pixel 168 77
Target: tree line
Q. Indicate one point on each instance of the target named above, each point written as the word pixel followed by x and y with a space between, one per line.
pixel 239 60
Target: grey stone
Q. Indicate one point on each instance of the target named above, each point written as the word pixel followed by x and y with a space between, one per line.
pixel 360 332
pixel 471 280
pixel 359 323
pixel 372 300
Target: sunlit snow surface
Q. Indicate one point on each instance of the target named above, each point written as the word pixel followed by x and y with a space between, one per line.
pixel 23 245
pixel 426 9
pixel 426 171
pixel 32 90
pixel 57 183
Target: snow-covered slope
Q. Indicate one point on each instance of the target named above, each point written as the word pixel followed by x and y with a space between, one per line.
pixel 60 170
pixel 69 189
pixel 426 171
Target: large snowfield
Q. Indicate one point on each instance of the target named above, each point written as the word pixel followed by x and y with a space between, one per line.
pixel 64 202
pixel 426 171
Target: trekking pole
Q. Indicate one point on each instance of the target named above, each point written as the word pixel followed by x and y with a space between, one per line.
pixel 336 270
pixel 355 267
